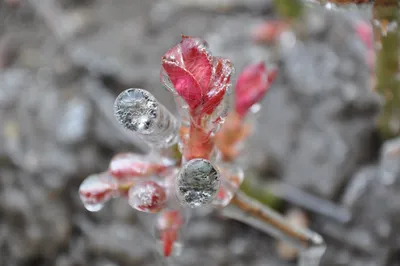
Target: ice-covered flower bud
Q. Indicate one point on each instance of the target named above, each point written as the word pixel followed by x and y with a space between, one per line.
pixel 147 196
pixel 251 86
pixel 126 166
pixel 96 189
pixel 197 183
pixel 189 70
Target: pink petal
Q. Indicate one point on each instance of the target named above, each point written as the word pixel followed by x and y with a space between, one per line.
pixel 251 86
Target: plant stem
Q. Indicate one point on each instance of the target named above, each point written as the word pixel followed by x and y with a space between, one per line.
pixel 289 9
pixel 257 215
pixel 387 67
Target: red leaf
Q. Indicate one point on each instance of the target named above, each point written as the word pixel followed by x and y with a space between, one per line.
pixel 251 86
pixel 222 71
pixel 196 60
pixel 184 83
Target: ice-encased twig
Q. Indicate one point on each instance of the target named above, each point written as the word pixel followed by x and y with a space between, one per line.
pixel 249 211
pixel 139 111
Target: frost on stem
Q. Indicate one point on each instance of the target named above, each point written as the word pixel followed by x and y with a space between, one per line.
pixel 97 189
pixel 137 110
pixel 197 183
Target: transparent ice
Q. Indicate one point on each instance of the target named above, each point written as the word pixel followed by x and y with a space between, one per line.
pixel 137 110
pixel 197 183
pixel 97 189
pixel 147 196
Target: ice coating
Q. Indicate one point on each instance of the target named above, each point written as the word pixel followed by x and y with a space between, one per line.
pixel 197 183
pixel 137 110
pixel 147 196
pixel 97 189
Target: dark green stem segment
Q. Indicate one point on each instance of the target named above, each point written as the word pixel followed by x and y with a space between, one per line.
pixel 387 67
pixel 289 9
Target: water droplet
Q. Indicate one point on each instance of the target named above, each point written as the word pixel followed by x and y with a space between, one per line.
pixel 97 189
pixel 147 196
pixel 197 183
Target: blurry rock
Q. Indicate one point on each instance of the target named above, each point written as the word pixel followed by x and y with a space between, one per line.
pixel 119 242
pixel 390 163
pixel 323 129
pixel 75 122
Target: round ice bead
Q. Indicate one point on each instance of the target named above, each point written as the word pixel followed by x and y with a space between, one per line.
pixel 197 183
pixel 147 196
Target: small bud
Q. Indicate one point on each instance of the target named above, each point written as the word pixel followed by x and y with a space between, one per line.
pixel 129 165
pixel 147 196
pixel 251 86
pixel 95 190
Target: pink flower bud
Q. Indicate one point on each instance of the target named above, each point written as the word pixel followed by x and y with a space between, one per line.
pixel 194 74
pixel 95 190
pixel 251 86
pixel 147 196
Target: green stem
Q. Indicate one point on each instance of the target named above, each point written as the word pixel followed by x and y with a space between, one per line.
pixel 387 68
pixel 289 9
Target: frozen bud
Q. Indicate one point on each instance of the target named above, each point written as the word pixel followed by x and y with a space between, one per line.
pixel 95 190
pixel 147 196
pixel 137 110
pixel 251 86
pixel 197 183
pixel 130 165
pixel 189 70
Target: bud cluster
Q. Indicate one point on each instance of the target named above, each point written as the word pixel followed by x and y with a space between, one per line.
pixel 209 133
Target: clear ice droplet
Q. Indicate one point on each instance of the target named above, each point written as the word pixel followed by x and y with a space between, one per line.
pixel 139 111
pixel 197 183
